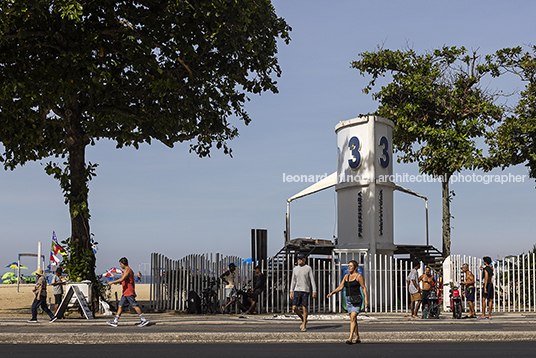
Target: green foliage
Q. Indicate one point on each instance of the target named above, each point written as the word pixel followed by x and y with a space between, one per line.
pixel 437 104
pixel 79 262
pixel 72 73
pixel 514 142
pixel 131 71
pixel 439 109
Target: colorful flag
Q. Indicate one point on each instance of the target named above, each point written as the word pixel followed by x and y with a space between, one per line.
pixel 58 247
pixel 55 249
pixel 53 257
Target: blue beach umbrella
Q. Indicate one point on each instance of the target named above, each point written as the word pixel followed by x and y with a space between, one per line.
pixel 14 265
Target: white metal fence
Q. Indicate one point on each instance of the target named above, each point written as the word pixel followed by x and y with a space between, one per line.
pixel 514 281
pixel 385 279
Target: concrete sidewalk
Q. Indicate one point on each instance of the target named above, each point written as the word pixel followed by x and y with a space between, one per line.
pixel 179 328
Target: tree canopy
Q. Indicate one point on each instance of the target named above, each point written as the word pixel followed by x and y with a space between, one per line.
pixel 439 108
pixel 514 142
pixel 74 72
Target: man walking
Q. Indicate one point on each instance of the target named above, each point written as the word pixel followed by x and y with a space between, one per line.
pixel 40 300
pixel 414 289
pixel 487 274
pixel 129 293
pixel 229 278
pixel 302 281
pixel 469 284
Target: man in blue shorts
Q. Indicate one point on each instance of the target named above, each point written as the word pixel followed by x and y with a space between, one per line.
pixel 300 287
pixel 469 284
pixel 129 294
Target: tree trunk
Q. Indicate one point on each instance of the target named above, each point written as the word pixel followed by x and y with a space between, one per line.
pixel 79 189
pixel 446 215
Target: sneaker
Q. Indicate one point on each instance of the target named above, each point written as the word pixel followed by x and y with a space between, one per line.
pixel 53 319
pixel 32 321
pixel 113 323
pixel 143 323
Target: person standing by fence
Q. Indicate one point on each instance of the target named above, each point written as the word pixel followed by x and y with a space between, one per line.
pixel 487 274
pixel 300 287
pixel 414 289
pixel 353 282
pixel 469 284
pixel 427 284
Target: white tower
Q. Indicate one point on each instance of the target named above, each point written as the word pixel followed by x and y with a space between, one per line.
pixel 364 184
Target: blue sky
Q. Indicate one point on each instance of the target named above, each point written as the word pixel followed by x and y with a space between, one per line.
pixel 157 199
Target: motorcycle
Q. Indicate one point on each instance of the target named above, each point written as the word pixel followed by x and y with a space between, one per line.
pixel 455 302
pixel 433 304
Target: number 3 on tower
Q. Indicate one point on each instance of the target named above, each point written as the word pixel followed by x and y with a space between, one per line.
pixel 354 146
pixel 383 143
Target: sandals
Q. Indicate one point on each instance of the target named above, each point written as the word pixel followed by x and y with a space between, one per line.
pixel 357 341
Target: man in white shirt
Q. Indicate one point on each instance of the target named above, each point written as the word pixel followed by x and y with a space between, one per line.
pixel 414 289
pixel 302 281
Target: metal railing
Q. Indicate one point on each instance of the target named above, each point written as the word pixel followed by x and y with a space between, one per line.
pixel 385 279
pixel 514 281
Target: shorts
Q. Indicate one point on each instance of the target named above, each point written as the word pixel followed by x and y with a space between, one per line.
pixel 230 292
pixel 128 301
pixel 351 308
pixel 57 299
pixel 300 298
pixel 415 297
pixel 255 295
pixel 424 297
pixel 488 295
pixel 470 293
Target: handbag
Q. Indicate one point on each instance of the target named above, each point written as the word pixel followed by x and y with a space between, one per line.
pixel 354 300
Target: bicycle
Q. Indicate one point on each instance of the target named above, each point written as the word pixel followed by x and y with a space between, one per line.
pixel 209 298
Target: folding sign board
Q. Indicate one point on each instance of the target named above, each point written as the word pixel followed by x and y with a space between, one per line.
pixel 80 297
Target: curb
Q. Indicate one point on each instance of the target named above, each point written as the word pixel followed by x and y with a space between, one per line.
pixel 264 337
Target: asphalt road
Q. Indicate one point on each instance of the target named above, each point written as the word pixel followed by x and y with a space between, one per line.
pixel 260 350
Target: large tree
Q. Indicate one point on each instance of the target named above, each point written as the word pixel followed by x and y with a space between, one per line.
pixel 514 142
pixel 73 72
pixel 439 108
